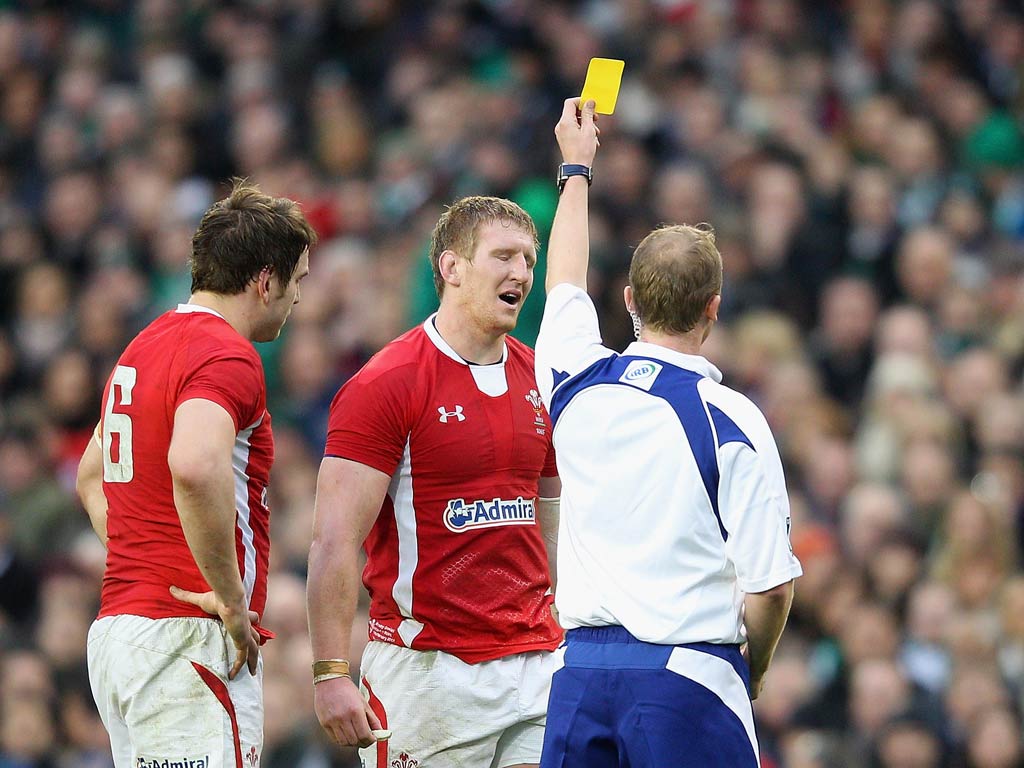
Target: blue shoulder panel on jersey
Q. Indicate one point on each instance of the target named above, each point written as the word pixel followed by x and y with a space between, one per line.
pixel 557 377
pixel 726 428
pixel 678 387
pixel 600 372
pixel 686 402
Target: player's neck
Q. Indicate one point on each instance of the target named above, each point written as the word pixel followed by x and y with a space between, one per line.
pixel 468 341
pixel 231 308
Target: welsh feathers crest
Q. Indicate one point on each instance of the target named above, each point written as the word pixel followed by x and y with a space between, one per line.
pixel 534 399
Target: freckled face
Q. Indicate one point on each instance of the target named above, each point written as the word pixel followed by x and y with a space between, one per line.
pixel 497 280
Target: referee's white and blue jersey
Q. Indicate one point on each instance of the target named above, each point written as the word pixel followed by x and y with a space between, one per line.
pixel 673 507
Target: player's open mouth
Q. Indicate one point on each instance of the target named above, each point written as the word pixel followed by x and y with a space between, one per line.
pixel 511 298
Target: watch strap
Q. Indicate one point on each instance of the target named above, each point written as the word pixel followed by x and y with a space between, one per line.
pixel 568 170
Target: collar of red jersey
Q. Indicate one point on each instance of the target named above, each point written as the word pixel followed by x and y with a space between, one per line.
pixel 695 363
pixel 435 336
pixel 189 308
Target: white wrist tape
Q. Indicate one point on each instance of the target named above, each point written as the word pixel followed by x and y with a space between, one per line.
pixel 548 510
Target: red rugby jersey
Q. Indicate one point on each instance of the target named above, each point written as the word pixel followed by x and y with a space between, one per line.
pixel 185 354
pixel 455 560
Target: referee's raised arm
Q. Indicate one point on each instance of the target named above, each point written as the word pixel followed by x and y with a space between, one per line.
pixel 569 245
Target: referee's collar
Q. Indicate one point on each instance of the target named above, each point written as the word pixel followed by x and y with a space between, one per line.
pixel 695 363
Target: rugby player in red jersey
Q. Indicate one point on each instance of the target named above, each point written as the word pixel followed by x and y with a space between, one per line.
pixel 175 484
pixel 439 464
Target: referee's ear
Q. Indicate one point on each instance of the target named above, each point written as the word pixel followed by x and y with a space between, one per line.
pixel 711 310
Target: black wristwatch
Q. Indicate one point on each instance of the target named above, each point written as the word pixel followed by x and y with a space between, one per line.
pixel 565 170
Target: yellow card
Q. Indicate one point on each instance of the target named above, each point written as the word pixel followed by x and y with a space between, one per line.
pixel 604 76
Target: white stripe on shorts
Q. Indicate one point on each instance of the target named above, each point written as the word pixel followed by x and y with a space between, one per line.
pixel 721 678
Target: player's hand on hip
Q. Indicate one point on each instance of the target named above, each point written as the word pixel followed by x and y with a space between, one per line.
pixel 238 620
pixel 344 713
pixel 578 137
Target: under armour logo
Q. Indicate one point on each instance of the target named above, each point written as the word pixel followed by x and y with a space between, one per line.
pixel 456 414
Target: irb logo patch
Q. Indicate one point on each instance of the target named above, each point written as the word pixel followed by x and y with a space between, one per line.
pixel 641 374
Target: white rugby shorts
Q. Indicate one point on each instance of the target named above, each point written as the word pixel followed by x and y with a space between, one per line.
pixel 162 691
pixel 445 713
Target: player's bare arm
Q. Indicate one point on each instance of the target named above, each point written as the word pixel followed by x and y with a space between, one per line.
pixel 549 492
pixel 764 616
pixel 199 459
pixel 569 244
pixel 89 486
pixel 348 500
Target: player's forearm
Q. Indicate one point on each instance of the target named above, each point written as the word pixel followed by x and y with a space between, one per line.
pixel 569 243
pixel 765 615
pixel 332 593
pixel 204 497
pixel 95 504
pixel 547 518
pixel 89 486
pixel 348 499
pixel 549 491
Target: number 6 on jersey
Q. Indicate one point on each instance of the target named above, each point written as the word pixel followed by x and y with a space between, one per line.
pixel 120 424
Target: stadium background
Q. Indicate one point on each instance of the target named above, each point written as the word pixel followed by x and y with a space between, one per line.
pixel 860 160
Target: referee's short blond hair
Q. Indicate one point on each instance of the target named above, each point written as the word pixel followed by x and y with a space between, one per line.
pixel 676 270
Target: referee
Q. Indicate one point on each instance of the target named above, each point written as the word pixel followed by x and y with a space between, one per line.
pixel 675 572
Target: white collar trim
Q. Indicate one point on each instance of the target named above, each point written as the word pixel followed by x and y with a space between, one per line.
pixel 187 309
pixel 695 363
pixel 435 336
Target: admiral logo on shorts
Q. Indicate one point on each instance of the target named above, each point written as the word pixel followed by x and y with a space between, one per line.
pixel 167 762
pixel 461 515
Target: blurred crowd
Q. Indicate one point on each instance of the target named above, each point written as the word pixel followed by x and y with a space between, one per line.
pixel 861 160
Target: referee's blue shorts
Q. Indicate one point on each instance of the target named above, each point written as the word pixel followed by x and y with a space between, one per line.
pixel 622 703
